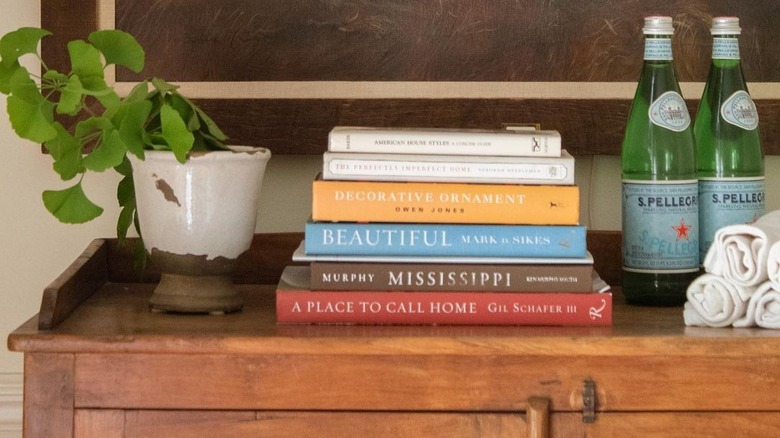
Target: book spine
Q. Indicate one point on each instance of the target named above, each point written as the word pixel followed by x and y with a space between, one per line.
pixel 370 201
pixel 445 142
pixel 449 308
pixel 444 168
pixel 337 238
pixel 451 277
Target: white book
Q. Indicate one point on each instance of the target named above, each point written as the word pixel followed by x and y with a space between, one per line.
pixel 505 142
pixel 449 168
pixel 299 255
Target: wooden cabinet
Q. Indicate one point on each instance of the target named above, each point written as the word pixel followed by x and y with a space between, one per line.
pixel 112 368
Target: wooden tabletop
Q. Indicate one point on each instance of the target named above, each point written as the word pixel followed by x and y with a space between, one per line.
pixel 117 319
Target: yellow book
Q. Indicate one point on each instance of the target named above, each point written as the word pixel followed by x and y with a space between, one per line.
pixel 424 202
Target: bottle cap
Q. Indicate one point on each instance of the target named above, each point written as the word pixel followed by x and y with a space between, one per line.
pixel 658 25
pixel 725 26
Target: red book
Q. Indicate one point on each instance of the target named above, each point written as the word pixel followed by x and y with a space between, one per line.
pixel 296 303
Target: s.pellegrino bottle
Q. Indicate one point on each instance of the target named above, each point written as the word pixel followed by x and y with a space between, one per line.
pixel 728 143
pixel 660 190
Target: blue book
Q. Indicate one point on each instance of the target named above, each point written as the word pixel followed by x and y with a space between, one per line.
pixel 469 240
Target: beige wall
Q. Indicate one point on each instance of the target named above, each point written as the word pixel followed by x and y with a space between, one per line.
pixel 35 248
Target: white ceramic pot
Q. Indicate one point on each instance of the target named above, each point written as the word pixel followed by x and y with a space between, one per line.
pixel 196 219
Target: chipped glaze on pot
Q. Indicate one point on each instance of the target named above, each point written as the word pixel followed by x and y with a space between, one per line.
pixel 206 207
pixel 196 219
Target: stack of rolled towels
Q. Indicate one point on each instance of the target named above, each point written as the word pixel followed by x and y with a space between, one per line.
pixel 740 286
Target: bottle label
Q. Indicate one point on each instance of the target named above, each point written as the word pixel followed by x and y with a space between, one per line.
pixel 725 48
pixel 669 111
pixel 658 49
pixel 660 226
pixel 740 111
pixel 728 202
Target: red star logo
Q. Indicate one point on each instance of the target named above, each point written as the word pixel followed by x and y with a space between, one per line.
pixel 682 230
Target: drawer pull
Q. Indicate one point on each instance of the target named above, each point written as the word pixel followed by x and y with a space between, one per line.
pixel 589 401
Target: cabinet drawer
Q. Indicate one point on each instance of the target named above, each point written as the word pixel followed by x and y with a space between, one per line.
pixel 282 424
pixel 344 424
pixel 668 425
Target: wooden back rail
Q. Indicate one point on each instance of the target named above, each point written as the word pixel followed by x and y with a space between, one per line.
pixel 282 74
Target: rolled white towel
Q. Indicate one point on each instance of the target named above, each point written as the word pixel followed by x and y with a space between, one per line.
pixel 764 307
pixel 714 301
pixel 773 265
pixel 740 252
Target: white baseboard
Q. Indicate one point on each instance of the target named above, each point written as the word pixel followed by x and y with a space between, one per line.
pixel 11 389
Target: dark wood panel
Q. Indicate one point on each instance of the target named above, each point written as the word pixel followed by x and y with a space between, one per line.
pixel 67 20
pixel 432 40
pixel 481 40
pixel 301 126
pixel 289 126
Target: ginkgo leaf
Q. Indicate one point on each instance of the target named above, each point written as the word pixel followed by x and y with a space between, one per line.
pixel 6 73
pixel 125 194
pixel 132 126
pixel 71 97
pixel 20 42
pixel 71 205
pixel 109 153
pixel 32 121
pixel 175 133
pixel 65 149
pixel 119 47
pixel 87 65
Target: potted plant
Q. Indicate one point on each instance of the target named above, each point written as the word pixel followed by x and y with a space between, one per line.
pixel 180 186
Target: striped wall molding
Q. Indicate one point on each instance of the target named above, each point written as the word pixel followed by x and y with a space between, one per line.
pixel 11 385
pixel 281 74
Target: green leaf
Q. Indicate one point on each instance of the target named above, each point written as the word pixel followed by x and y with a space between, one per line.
pixel 6 73
pixel 109 153
pixel 86 63
pixel 132 126
pixel 89 130
pixel 185 110
pixel 163 87
pixel 22 85
pixel 211 126
pixel 98 88
pixel 125 221
pixel 32 121
pixel 71 97
pixel 71 205
pixel 126 196
pixel 110 102
pixel 175 133
pixel 53 76
pixel 141 256
pixel 125 191
pixel 31 115
pixel 65 149
pixel 124 168
pixel 17 43
pixel 119 48
pixel 139 92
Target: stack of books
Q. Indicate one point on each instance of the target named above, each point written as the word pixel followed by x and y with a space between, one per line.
pixel 433 226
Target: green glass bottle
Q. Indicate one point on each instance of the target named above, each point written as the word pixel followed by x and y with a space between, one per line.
pixel 660 190
pixel 728 143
